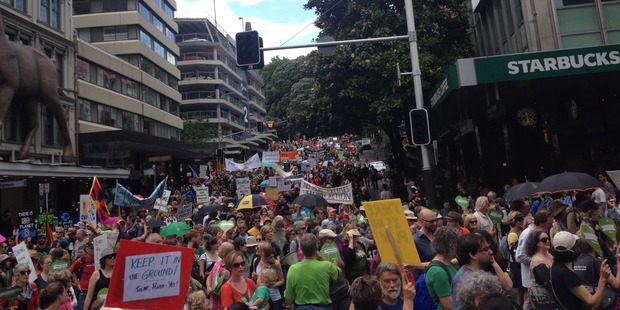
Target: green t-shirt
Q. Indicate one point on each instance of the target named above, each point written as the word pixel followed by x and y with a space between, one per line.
pixel 308 282
pixel 261 292
pixel 438 283
pixel 330 252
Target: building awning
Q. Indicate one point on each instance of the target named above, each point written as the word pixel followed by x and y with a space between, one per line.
pixel 60 171
pixel 525 66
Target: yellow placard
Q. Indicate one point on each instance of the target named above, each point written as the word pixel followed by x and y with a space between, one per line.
pixel 389 213
pixel 272 193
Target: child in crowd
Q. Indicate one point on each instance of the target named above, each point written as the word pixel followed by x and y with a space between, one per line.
pixel 266 279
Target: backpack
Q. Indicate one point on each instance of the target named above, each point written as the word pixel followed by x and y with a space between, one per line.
pixel 423 299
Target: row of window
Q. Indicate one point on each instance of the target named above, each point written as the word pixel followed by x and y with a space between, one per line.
pixel 111 80
pixel 14 126
pixel 157 47
pixel 153 19
pixel 49 11
pixel 102 114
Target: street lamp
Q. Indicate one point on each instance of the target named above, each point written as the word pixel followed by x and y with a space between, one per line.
pixel 242 24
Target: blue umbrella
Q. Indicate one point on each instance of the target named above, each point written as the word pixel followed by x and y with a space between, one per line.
pixel 264 183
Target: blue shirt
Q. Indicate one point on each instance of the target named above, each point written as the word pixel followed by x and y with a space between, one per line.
pixel 455 281
pixel 423 245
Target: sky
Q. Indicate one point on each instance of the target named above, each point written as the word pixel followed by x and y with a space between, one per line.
pixel 278 22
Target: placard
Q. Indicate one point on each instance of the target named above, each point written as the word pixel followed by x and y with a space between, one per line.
pixel 272 193
pixel 204 171
pixel 162 203
pixel 389 213
pixel 104 241
pixel 243 187
pixel 23 257
pixel 150 276
pixel 271 157
pixel 587 234
pixel 26 221
pixel 84 203
pixel 184 212
pixel 288 155
pixel 340 194
pixel 273 182
pixel 202 195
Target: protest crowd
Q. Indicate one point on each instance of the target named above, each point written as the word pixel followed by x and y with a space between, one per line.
pixel 554 251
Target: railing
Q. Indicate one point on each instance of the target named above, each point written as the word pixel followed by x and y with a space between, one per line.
pixel 197 94
pixel 199 114
pixel 197 56
pixel 198 75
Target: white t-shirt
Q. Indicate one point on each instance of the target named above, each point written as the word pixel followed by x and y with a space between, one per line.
pixel 599 196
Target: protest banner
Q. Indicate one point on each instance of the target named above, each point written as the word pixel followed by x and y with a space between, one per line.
pixel 202 195
pixel 27 224
pixel 306 166
pixel 252 163
pixel 340 194
pixel 271 157
pixel 389 213
pixel 587 234
pixel 23 257
pixel 204 171
pixel 150 276
pixel 273 182
pixel 104 241
pixel 184 212
pixel 282 185
pixel 288 155
pixel 162 203
pixel 608 227
pixel 243 187
pixel 272 193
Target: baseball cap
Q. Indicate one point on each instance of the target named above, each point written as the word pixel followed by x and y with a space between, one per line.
pixel 410 215
pixel 564 241
pixel 327 233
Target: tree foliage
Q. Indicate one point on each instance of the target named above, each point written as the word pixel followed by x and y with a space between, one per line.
pixel 198 132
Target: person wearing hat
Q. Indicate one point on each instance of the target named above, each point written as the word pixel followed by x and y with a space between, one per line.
pixel 590 213
pixel 329 249
pixel 6 270
pixel 557 210
pixel 454 219
pixel 83 268
pixel 568 289
pixel 100 280
pixel 355 256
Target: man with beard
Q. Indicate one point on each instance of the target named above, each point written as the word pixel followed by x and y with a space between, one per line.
pixel 391 287
pixel 42 246
pixel 473 253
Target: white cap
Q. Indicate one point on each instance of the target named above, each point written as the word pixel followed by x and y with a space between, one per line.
pixel 564 241
pixel 327 233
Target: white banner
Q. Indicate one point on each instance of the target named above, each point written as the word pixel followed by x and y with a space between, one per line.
pixel 243 187
pixel 204 171
pixel 252 163
pixel 104 241
pixel 341 194
pixel 162 203
pixel 84 203
pixel 184 212
pixel 280 170
pixel 271 157
pixel 202 195
pixel 23 257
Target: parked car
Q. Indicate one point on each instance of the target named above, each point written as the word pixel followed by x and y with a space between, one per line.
pixel 366 144
pixel 379 165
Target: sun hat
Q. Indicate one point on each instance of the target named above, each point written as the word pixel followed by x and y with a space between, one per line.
pixel 327 233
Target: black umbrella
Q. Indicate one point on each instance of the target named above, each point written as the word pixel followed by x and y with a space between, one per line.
pixel 206 209
pixel 567 181
pixel 521 190
pixel 155 223
pixel 310 200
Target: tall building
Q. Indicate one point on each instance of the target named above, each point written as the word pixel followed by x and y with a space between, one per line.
pixel 540 98
pixel 215 90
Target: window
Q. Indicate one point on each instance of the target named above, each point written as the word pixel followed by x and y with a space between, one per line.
pixel 159 49
pixel 81 7
pixel 171 58
pixel 170 34
pixel 158 24
pixel 563 3
pixel 129 88
pixel 115 33
pixel 13 127
pixel 144 11
pixel 149 95
pixel 51 133
pixel 159 3
pixel 108 116
pixel 169 11
pixel 84 34
pixel 88 110
pixel 114 5
pixel 82 68
pixel 145 39
pixel 130 121
pixel 50 13
pixel 107 79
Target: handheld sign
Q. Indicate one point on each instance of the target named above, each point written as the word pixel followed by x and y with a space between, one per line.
pixel 587 233
pixel 150 276
pixel 389 213
pixel 496 216
pixel 23 257
pixel 608 227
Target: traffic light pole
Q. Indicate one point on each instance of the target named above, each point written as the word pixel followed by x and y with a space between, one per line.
pixel 427 170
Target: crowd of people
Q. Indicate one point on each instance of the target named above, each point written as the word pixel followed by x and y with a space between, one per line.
pixel 283 255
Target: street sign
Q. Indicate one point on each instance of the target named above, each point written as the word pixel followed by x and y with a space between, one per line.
pixel 47 188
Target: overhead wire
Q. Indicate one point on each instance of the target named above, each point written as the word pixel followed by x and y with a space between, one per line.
pixel 312 22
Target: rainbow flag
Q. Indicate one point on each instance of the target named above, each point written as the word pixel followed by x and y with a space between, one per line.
pixel 98 197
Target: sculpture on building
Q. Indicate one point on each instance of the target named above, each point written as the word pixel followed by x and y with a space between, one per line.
pixel 28 77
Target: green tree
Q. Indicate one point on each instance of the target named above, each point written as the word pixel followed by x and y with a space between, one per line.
pixel 198 132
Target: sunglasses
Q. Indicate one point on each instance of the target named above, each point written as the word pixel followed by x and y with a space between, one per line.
pixel 110 256
pixel 237 265
pixel 320 212
pixel 544 240
pixel 24 272
pixel 473 222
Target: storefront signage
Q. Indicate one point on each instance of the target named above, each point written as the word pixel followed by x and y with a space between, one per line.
pixel 447 84
pixel 12 184
pixel 547 64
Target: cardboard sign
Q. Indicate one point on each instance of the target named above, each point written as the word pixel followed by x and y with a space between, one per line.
pixel 104 241
pixel 23 257
pixel 272 193
pixel 587 234
pixel 204 171
pixel 26 219
pixel 608 227
pixel 243 187
pixel 340 194
pixel 162 203
pixel 202 195
pixel 389 213
pixel 185 212
pixel 150 276
pixel 271 157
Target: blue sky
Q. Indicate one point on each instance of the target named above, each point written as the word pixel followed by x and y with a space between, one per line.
pixel 276 20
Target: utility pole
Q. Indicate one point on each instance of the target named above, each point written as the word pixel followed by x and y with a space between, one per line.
pixel 427 170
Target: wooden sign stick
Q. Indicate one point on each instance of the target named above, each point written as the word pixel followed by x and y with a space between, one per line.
pixel 396 255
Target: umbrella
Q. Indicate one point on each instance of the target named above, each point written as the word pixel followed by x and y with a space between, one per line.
pixel 310 200
pixel 155 223
pixel 254 201
pixel 176 228
pixel 327 163
pixel 206 209
pixel 264 183
pixel 2 238
pixel 567 181
pixel 520 190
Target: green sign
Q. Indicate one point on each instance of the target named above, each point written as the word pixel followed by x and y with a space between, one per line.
pixel 547 64
pixel 449 82
pixel 587 233
pixel 496 216
pixel 608 227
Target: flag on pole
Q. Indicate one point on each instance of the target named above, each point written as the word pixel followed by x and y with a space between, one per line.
pixel 124 197
pixel 48 231
pixel 98 199
pixel 194 175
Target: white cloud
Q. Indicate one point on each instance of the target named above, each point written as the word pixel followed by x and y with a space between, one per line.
pixel 274 33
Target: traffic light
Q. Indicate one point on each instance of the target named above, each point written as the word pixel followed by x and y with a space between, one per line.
pixel 271 125
pixel 248 48
pixel 420 131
